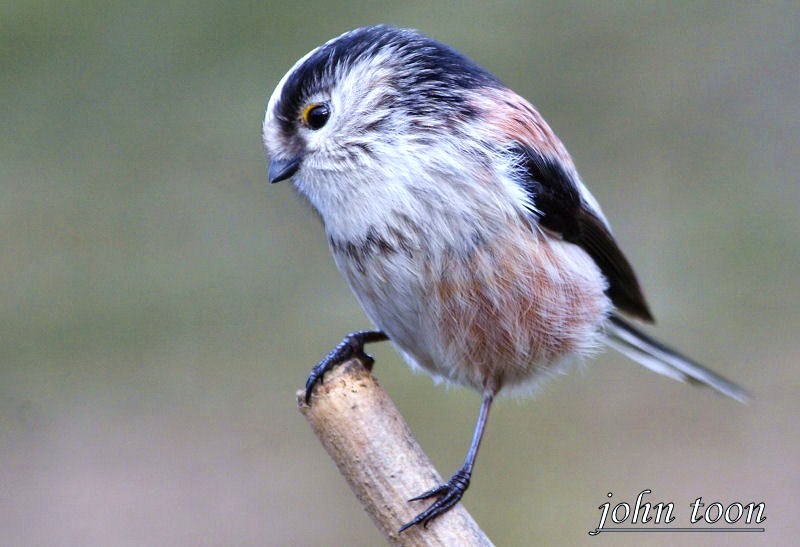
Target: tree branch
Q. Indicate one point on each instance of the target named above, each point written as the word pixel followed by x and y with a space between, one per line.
pixel 384 465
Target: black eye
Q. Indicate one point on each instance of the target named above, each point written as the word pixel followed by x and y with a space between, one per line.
pixel 316 115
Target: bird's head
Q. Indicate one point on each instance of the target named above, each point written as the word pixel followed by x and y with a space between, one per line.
pixel 368 106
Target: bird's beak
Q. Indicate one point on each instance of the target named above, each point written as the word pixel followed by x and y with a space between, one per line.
pixel 282 169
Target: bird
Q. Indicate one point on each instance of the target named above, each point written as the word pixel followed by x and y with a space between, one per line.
pixel 460 223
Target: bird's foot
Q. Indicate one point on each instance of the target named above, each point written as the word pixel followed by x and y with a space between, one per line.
pixel 351 346
pixel 450 493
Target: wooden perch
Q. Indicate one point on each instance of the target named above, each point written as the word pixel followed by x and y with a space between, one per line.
pixel 384 465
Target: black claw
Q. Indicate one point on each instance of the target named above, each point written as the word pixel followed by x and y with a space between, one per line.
pixel 451 493
pixel 351 346
pixel 368 360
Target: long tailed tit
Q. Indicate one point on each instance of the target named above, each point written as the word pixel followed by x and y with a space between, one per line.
pixel 459 221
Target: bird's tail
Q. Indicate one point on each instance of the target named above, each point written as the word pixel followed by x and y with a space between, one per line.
pixel 646 351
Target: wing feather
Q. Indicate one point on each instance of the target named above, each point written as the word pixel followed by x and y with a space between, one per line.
pixel 562 209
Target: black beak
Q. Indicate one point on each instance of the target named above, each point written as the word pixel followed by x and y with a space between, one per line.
pixel 283 169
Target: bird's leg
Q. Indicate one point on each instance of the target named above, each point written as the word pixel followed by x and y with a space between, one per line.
pixel 451 492
pixel 351 346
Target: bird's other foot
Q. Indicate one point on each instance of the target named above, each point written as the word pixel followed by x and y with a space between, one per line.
pixel 351 346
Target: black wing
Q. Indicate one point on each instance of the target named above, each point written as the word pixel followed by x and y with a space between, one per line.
pixel 563 210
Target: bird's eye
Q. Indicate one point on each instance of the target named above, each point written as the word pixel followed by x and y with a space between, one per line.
pixel 316 115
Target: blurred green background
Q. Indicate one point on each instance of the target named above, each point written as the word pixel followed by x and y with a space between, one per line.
pixel 160 303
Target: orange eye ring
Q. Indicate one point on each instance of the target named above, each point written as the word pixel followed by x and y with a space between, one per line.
pixel 315 115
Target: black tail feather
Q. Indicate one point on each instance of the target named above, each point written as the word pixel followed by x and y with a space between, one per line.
pixel 654 355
